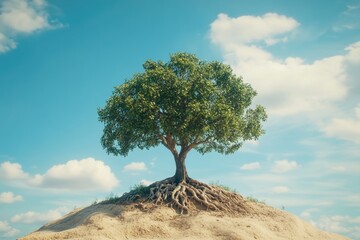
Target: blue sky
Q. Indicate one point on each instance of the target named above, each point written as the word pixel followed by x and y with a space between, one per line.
pixel 59 61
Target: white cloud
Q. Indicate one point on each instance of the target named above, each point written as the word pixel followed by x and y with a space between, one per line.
pixel 249 146
pixel 308 212
pixel 135 166
pixel 12 171
pixel 246 29
pixel 338 168
pixel 75 175
pixel 305 214
pixel 348 20
pixel 260 178
pixel 7 231
pixel 353 200
pixel 297 202
pixel 21 17
pixel 9 197
pixel 36 217
pixel 345 128
pixel 288 86
pixel 250 166
pixel 284 166
pixel 280 189
pixel 6 44
pixel 85 174
pixel 340 224
pixel 145 182
pixel 332 158
pixel 341 167
pixel 353 55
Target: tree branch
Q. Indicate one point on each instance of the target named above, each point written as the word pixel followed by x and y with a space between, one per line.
pixel 169 143
pixel 186 149
pixel 163 141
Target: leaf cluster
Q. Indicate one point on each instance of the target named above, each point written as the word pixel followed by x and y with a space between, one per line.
pixel 185 102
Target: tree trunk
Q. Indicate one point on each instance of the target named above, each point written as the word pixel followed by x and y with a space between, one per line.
pixel 180 173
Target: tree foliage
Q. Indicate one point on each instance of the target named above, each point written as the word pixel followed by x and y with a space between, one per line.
pixel 183 104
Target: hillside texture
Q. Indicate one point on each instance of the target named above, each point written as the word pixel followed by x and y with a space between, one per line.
pixel 147 221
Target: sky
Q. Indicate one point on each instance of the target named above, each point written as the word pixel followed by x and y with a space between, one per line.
pixel 60 60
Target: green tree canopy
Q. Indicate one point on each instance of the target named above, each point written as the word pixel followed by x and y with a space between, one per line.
pixel 183 104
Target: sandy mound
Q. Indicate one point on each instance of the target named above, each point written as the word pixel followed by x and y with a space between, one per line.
pixel 100 222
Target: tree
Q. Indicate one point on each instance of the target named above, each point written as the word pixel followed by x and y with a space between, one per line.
pixel 183 104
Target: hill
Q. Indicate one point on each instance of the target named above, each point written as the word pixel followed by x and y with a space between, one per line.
pixel 147 221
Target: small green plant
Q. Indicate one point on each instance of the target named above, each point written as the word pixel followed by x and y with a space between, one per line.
pixel 222 186
pixel 140 189
pixel 255 200
pixel 95 202
pixel 111 198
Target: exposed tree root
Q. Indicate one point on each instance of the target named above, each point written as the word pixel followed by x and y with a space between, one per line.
pixel 187 195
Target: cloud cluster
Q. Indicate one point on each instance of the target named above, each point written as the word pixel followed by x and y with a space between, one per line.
pixel 232 32
pixel 19 17
pixel 285 165
pixel 75 175
pixel 250 166
pixel 86 174
pixel 349 19
pixel 36 217
pixel 7 231
pixel 280 189
pixel 12 171
pixel 345 128
pixel 145 182
pixel 135 167
pixel 340 224
pixel 289 86
pixel 306 214
pixel 9 197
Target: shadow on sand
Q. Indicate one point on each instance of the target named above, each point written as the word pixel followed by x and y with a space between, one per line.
pixel 81 216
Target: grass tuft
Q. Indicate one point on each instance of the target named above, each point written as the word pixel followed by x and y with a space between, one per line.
pixel 222 186
pixel 255 200
pixel 140 189
pixel 111 198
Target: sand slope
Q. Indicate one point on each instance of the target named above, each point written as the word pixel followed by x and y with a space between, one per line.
pixel 100 222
